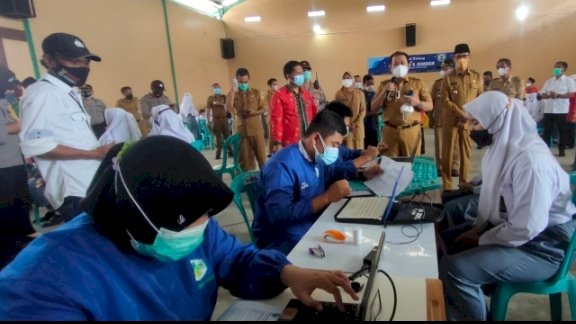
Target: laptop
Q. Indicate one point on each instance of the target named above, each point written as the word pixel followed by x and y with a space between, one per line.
pixel 372 210
pixel 296 311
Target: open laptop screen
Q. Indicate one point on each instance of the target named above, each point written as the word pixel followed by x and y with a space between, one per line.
pixel 363 310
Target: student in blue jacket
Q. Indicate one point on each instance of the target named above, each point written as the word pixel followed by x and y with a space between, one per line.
pixel 146 248
pixel 299 181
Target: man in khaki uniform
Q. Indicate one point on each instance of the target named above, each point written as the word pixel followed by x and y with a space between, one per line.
pixel 402 98
pixel 247 104
pixel 512 86
pixel 216 115
pixel 447 68
pixel 457 89
pixel 154 98
pixel 130 104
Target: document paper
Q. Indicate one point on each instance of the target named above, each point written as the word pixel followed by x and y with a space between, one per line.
pixel 383 184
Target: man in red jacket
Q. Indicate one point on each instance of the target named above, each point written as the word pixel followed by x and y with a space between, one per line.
pixel 292 108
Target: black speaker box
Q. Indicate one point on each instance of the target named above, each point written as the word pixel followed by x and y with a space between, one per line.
pixel 227 48
pixel 17 8
pixel 410 35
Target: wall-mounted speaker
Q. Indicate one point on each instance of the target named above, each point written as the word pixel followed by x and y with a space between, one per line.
pixel 410 35
pixel 17 8
pixel 227 48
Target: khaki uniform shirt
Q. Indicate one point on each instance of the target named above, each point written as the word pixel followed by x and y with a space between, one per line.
pixel 95 108
pixel 392 104
pixel 458 89
pixel 513 87
pixel 356 101
pixel 218 105
pixel 437 102
pixel 149 101
pixel 248 106
pixel 130 106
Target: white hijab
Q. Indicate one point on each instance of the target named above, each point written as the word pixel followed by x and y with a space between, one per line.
pixel 121 127
pixel 514 133
pixel 187 106
pixel 165 121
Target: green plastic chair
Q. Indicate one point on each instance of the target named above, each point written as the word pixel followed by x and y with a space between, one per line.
pixel 233 168
pixel 562 281
pixel 246 183
pixel 206 134
pixel 380 127
pixel 573 185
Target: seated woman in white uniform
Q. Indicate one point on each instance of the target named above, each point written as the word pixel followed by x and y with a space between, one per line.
pixel 525 237
pixel 165 121
pixel 121 126
pixel 147 249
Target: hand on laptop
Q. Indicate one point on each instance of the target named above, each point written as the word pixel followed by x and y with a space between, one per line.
pixel 338 190
pixel 303 282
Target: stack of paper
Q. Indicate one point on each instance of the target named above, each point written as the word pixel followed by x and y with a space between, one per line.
pixel 383 184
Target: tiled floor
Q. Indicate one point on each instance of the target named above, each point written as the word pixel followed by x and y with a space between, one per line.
pixel 521 307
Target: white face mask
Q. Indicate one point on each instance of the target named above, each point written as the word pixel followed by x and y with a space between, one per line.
pixel 275 87
pixel 347 83
pixel 358 85
pixel 400 71
pixel 370 88
pixel 503 71
pixel 442 73
pixel 528 84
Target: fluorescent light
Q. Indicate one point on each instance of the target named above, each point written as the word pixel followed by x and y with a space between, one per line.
pixel 316 13
pixel 226 3
pixel 522 12
pixel 317 29
pixel 375 8
pixel 439 2
pixel 252 19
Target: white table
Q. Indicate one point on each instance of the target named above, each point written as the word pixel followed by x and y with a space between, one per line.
pixel 415 260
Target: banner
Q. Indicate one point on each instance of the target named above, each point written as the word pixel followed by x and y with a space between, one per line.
pixel 418 63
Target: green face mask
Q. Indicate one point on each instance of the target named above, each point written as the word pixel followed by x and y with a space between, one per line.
pixel 243 86
pixel 172 246
pixel 307 75
pixel 557 71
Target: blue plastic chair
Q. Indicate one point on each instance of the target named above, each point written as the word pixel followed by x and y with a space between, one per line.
pixel 562 282
pixel 198 144
pixel 247 183
pixel 232 168
pixel 206 134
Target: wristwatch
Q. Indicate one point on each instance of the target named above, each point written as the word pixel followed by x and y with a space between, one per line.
pixel 360 174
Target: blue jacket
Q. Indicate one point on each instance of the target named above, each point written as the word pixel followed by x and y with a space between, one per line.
pixel 75 273
pixel 289 183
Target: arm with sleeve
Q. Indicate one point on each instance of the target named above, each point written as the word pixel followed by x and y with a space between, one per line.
pixel 282 208
pixel 276 118
pixel 245 271
pixel 36 136
pixel 447 103
pixel 531 204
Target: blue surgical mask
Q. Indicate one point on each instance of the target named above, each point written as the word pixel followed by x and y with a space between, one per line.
pixel 243 86
pixel 330 154
pixel 217 91
pixel 307 75
pixel 299 80
pixel 172 246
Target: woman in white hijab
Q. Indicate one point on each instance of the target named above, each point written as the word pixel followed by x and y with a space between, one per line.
pixel 524 238
pixel 190 115
pixel 167 122
pixel 121 127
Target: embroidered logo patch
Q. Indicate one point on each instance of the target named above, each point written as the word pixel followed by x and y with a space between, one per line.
pixel 303 185
pixel 78 43
pixel 200 268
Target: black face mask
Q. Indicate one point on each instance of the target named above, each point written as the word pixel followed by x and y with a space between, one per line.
pixel 486 82
pixel 157 94
pixel 129 96
pixel 481 138
pixel 71 76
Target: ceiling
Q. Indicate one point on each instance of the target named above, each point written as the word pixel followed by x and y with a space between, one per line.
pixel 213 8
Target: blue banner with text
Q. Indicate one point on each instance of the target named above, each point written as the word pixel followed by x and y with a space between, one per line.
pixel 418 63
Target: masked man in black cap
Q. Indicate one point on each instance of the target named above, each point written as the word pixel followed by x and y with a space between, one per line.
pixel 56 128
pixel 458 89
pixel 147 248
pixel 154 98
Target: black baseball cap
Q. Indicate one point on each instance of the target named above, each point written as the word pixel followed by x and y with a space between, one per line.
pixel 7 78
pixel 461 48
pixel 157 85
pixel 68 46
